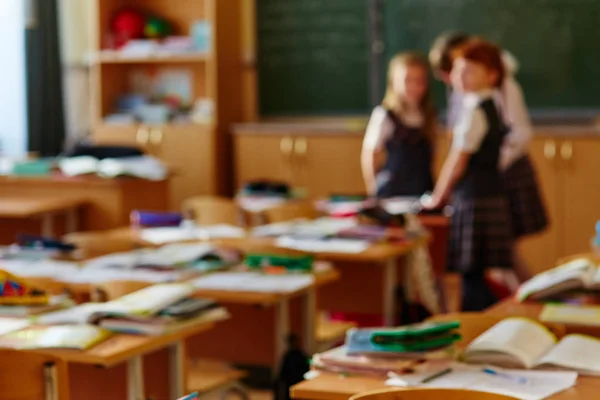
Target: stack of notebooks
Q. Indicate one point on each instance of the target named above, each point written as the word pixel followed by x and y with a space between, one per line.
pixel 404 350
pixel 577 276
pixel 155 310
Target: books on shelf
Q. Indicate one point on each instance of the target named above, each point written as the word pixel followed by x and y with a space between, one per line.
pixel 77 337
pixel 580 273
pixel 523 343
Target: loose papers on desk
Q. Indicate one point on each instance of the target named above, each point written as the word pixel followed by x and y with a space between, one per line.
pixel 526 385
pixel 350 246
pixel 164 235
pixel 253 282
pixel 317 228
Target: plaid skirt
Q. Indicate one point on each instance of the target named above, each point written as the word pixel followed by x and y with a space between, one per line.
pixel 527 208
pixel 480 235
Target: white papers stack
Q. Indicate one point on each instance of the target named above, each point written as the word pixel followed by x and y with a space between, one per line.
pixel 350 246
pixel 303 227
pixel 39 269
pixel 253 282
pixel 8 325
pixel 97 276
pixel 144 167
pixel 526 385
pixel 259 204
pixel 166 235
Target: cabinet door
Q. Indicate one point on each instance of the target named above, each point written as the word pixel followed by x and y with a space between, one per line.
pixel 263 156
pixel 130 135
pixel 329 164
pixel 541 251
pixel 580 166
pixel 190 152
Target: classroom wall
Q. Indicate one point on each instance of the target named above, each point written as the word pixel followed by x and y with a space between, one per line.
pixel 13 119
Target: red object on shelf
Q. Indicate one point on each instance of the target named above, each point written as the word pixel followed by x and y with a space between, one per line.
pixel 128 24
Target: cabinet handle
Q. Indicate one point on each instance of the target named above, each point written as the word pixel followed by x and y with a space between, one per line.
pixel 550 150
pixel 286 145
pixel 566 150
pixel 143 136
pixel 301 146
pixel 156 136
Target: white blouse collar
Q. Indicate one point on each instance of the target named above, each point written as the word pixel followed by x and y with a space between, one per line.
pixel 474 99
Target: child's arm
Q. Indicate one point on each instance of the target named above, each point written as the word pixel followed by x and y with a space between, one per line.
pixel 453 169
pixel 373 147
pixel 468 134
pixel 517 116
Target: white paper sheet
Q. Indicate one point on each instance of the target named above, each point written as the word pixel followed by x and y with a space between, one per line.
pixel 350 246
pixel 538 384
pixel 253 282
pixel 165 235
pixel 8 325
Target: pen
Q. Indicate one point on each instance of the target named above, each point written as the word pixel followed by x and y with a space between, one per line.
pixel 436 375
pixel 518 379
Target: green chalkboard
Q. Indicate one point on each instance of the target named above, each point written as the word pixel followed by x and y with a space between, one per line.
pixel 557 42
pixel 313 57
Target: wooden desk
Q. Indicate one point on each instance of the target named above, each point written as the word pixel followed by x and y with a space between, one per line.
pixel 25 207
pixel 335 387
pixel 109 201
pixel 130 349
pixel 239 302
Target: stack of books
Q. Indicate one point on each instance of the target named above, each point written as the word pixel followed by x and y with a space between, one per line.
pixel 382 351
pixel 155 310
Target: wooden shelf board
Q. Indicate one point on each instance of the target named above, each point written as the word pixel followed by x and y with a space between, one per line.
pixel 116 58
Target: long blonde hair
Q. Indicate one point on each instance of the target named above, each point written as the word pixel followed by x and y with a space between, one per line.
pixel 393 102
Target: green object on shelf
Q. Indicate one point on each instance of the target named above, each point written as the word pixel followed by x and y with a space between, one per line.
pixel 157 28
pixel 290 263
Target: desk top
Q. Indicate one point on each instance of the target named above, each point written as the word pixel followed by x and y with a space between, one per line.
pixel 30 206
pixel 120 348
pixel 335 387
pixel 321 278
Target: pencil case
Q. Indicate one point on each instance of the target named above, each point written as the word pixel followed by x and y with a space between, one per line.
pixel 155 219
pixel 287 263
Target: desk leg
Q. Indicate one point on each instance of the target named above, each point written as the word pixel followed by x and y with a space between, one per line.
pixel 135 379
pixel 282 329
pixel 309 330
pixel 389 292
pixel 72 220
pixel 177 370
pixel 47 225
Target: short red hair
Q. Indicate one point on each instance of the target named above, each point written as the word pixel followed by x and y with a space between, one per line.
pixel 485 53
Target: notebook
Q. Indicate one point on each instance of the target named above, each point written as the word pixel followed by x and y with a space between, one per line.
pixel 77 337
pixel 581 273
pixel 523 343
pixel 570 314
pixel 160 325
pixel 144 302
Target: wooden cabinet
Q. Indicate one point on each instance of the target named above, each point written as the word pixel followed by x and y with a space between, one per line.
pixel 314 165
pixel 567 172
pixel 199 152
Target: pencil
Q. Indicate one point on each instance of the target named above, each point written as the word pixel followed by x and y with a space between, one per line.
pixel 437 375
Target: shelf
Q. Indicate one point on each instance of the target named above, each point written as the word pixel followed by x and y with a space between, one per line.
pixel 116 58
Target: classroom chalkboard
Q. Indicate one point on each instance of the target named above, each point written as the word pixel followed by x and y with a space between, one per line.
pixel 556 42
pixel 313 57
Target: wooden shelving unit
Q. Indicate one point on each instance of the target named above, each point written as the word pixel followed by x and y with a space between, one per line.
pixel 200 153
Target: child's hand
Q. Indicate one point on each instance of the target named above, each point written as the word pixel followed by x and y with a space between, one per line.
pixel 432 202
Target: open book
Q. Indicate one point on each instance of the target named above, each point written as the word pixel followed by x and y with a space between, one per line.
pixel 577 274
pixel 77 337
pixel 145 302
pixel 523 343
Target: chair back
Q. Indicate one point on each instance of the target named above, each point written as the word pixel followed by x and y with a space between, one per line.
pixel 429 394
pixel 115 289
pixel 212 210
pixel 98 243
pixel 32 376
pixel 289 211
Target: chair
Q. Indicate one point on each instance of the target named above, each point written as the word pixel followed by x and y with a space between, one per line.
pixel 429 394
pixel 32 376
pixel 212 210
pixel 98 243
pixel 289 211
